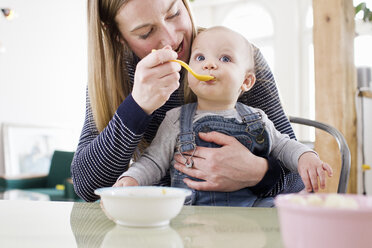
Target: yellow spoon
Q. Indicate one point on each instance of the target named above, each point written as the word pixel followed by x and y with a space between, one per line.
pixel 187 67
pixel 196 75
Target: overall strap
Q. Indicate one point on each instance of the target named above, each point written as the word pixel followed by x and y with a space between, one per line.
pixel 247 113
pixel 253 120
pixel 186 138
pixel 186 117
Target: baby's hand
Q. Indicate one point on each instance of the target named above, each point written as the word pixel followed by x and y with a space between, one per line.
pixel 126 181
pixel 310 168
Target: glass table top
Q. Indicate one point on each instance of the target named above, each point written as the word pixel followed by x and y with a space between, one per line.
pixel 67 224
pixel 16 194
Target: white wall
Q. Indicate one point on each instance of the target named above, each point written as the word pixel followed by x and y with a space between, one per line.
pixel 43 72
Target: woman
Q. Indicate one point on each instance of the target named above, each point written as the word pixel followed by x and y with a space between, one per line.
pixel 130 89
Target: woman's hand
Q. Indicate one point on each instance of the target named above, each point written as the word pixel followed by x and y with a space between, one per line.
pixel 126 181
pixel 156 79
pixel 228 168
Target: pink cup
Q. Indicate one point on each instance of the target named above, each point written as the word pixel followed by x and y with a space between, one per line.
pixel 304 226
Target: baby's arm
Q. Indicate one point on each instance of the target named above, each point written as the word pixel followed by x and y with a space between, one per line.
pixel 126 181
pixel 298 157
pixel 156 159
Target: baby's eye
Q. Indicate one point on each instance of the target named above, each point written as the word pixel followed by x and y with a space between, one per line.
pixel 225 59
pixel 200 58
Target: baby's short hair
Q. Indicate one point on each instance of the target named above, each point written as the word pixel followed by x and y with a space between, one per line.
pixel 250 48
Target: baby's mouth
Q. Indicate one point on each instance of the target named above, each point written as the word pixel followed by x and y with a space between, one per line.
pixel 212 80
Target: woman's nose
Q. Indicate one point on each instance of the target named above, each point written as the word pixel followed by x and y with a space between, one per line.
pixel 209 65
pixel 168 37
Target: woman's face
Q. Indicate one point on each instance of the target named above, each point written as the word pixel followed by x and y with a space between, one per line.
pixel 153 24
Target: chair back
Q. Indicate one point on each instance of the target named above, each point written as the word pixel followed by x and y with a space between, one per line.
pixel 59 168
pixel 344 148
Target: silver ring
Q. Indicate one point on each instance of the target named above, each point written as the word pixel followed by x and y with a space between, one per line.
pixel 189 163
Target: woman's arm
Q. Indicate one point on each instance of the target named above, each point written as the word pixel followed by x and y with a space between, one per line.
pixel 101 157
pixel 156 159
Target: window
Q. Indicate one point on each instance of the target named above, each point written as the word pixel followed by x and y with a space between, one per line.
pixel 363 52
pixel 243 18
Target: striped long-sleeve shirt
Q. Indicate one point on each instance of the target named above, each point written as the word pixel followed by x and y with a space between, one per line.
pixel 101 157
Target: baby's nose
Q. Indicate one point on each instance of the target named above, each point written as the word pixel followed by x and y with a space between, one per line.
pixel 209 65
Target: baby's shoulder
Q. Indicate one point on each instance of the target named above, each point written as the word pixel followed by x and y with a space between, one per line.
pixel 251 109
pixel 255 110
pixel 173 115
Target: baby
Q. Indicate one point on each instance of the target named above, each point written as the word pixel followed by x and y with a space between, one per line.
pixel 228 57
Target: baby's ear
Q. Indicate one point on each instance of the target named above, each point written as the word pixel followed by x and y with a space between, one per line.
pixel 249 81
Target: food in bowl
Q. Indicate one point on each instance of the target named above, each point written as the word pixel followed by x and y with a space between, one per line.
pixel 146 206
pixel 325 220
pixel 329 201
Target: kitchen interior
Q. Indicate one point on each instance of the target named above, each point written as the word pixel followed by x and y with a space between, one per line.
pixel 319 52
pixel 43 73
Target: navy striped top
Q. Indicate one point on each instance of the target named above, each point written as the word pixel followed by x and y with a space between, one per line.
pixel 101 158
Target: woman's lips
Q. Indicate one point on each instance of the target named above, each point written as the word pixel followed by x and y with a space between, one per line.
pixel 180 50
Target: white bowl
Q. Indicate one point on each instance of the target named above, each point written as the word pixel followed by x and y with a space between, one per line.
pixel 147 206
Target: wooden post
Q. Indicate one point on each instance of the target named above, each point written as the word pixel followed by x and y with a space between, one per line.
pixel 335 82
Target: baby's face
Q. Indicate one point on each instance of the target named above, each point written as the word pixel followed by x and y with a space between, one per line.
pixel 221 53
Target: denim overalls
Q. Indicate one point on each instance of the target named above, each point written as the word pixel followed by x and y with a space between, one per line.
pixel 251 133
